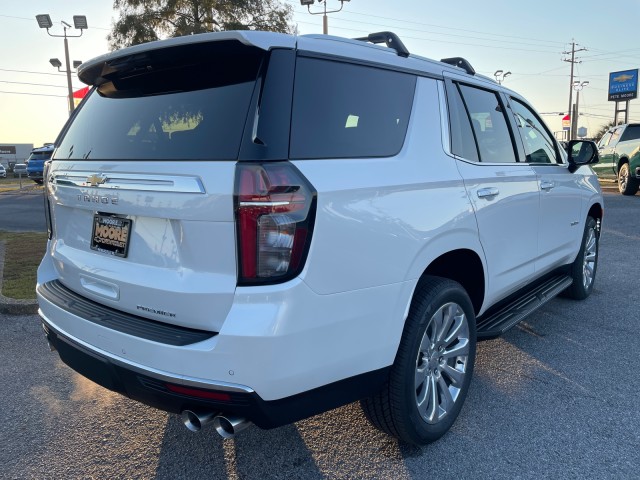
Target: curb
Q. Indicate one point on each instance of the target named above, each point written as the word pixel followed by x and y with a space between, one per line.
pixel 11 306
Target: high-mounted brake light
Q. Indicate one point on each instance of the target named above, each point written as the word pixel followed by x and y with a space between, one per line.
pixel 275 212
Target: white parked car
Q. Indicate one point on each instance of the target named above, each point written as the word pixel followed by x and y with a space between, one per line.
pixel 265 227
pixel 3 171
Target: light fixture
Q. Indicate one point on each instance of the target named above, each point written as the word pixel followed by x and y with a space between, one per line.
pixel 80 22
pixel 44 21
pixel 306 2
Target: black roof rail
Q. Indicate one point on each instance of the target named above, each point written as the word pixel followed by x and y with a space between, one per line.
pixel 460 62
pixel 390 38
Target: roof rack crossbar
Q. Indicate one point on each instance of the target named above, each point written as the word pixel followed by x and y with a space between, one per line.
pixel 389 38
pixel 461 63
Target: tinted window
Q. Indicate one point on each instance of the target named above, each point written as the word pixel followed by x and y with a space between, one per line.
pixel 463 141
pixel 342 110
pixel 604 140
pixel 631 133
pixel 489 125
pixel 40 155
pixel 180 106
pixel 539 146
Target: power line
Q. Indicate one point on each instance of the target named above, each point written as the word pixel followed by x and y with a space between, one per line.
pixel 26 71
pixel 437 26
pixel 33 94
pixel 34 84
pixel 32 19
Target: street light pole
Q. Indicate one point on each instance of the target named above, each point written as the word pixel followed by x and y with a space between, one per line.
pixel 80 23
pixel 66 59
pixel 500 76
pixel 325 19
pixel 577 86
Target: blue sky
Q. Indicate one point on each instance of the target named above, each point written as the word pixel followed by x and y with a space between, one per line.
pixel 526 38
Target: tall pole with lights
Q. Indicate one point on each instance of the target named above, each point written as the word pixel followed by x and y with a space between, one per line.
pixel 325 19
pixel 80 23
pixel 500 76
pixel 577 86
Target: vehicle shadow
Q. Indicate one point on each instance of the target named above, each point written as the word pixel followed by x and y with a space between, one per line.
pixel 335 444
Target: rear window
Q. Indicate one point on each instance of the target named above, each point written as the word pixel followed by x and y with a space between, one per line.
pixel 342 110
pixel 632 132
pixel 181 103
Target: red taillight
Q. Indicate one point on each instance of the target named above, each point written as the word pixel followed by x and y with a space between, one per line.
pixel 196 392
pixel 275 209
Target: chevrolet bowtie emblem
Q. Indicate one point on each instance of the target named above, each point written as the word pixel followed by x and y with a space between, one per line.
pixel 95 180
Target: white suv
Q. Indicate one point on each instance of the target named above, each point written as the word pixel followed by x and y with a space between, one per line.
pixel 250 227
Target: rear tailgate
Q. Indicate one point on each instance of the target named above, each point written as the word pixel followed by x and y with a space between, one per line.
pixel 141 183
pixel 159 245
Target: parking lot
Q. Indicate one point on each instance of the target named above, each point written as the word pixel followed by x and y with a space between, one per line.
pixel 556 397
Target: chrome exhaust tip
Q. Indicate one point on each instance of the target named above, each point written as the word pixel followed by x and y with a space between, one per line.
pixel 194 421
pixel 228 426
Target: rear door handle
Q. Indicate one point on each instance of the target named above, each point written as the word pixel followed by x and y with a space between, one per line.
pixel 547 185
pixel 488 192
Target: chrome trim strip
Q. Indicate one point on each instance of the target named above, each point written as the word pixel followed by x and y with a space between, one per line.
pixel 444 118
pixel 148 371
pixel 129 181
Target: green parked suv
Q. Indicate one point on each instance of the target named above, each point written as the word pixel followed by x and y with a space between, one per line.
pixel 619 151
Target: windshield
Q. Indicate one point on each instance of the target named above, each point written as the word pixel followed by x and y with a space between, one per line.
pixel 39 156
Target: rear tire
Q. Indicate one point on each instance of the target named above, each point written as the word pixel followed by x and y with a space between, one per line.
pixel 627 185
pixel 430 377
pixel 584 267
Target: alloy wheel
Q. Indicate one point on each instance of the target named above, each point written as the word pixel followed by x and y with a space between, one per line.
pixel 442 362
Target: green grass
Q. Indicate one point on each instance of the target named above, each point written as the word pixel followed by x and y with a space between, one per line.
pixel 10 183
pixel 23 252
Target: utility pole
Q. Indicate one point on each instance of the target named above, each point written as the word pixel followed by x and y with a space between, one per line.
pixel 572 62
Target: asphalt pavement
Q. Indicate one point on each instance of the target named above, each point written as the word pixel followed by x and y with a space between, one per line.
pixel 22 210
pixel 555 397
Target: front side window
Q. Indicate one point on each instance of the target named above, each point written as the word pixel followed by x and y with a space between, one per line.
pixel 539 146
pixel 489 125
pixel 342 110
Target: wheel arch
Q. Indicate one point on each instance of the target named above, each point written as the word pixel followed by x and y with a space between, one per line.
pixel 621 161
pixel 463 266
pixel 596 211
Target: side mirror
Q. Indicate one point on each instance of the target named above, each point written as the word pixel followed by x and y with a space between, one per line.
pixel 581 152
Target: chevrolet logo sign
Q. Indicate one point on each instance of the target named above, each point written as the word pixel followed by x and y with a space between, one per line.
pixel 95 180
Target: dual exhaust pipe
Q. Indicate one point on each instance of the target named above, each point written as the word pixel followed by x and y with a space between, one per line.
pixel 227 426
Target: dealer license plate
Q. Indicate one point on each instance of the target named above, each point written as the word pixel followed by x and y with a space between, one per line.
pixel 110 234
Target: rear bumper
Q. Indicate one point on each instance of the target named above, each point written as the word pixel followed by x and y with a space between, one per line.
pixel 154 388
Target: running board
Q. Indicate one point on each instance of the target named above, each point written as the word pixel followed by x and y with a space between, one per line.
pixel 517 310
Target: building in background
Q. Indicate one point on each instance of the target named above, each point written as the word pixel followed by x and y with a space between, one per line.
pixel 12 153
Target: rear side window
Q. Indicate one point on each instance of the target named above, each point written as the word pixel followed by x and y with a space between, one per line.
pixel 182 103
pixel 342 110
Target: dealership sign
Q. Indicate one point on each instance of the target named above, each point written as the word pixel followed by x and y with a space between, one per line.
pixel 7 150
pixel 623 85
